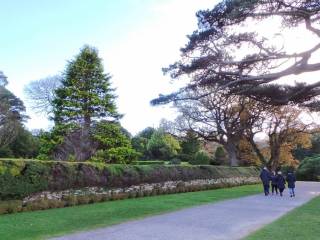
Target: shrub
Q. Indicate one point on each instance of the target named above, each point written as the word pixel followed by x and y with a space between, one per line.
pixel 200 158
pixel 21 178
pixel 220 157
pixel 83 199
pixel 122 155
pixel 10 206
pixel 175 161
pixel 70 200
pixel 153 162
pixel 53 203
pixel 309 169
pixel 162 145
pixel 185 157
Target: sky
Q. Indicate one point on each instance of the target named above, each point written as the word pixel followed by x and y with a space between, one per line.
pixel 135 38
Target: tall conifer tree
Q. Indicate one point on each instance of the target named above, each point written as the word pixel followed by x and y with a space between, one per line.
pixel 85 96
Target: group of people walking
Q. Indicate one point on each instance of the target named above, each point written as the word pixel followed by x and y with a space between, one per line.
pixel 278 182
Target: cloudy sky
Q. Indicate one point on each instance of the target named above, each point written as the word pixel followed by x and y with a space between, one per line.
pixel 136 38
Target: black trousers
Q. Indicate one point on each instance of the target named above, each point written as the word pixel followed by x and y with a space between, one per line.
pixel 266 187
pixel 281 191
pixel 274 188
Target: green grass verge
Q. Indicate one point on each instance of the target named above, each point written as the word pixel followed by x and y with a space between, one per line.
pixel 54 222
pixel 301 223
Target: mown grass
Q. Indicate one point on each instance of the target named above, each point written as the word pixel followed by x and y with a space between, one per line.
pixel 54 222
pixel 302 223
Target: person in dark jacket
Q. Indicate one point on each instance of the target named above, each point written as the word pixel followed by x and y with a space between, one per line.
pixel 265 178
pixel 274 185
pixel 281 183
pixel 291 180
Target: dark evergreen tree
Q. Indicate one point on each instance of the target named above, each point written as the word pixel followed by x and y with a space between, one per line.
pixel 220 157
pixel 12 114
pixel 228 50
pixel 190 143
pixel 85 96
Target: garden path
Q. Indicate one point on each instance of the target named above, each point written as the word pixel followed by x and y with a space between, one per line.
pixel 226 220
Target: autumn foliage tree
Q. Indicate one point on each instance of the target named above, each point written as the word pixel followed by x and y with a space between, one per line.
pixel 217 117
pixel 285 130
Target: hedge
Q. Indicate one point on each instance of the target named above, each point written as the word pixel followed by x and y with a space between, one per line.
pixel 153 162
pixel 20 178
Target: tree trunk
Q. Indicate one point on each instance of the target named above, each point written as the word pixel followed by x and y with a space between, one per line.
pixel 275 146
pixel 82 143
pixel 257 151
pixel 231 149
pixel 274 161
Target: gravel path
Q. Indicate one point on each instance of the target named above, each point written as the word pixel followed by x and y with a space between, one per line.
pixel 229 220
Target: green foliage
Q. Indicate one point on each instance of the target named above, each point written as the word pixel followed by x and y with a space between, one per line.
pixel 190 145
pixel 84 98
pixel 12 115
pixel 200 158
pixel 175 161
pixel 25 145
pixel 301 152
pixel 114 144
pixel 220 156
pixel 163 146
pixel 309 169
pixel 6 151
pixel 315 143
pixel 122 155
pixel 21 178
pixel 86 90
pixel 140 142
pixel 49 141
pixel 154 162
pixel 12 206
pixel 109 135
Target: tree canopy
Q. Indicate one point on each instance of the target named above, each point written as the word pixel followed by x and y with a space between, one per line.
pixel 12 115
pixel 41 93
pixel 230 48
pixel 86 92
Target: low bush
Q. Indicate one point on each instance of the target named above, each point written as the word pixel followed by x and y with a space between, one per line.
pixel 10 206
pixel 309 169
pixel 200 158
pixel 175 161
pixel 151 162
pixel 185 157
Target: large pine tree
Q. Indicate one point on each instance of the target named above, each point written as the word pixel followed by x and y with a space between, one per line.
pixel 85 96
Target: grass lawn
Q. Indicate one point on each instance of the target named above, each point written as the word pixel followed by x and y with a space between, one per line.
pixel 302 223
pixel 53 222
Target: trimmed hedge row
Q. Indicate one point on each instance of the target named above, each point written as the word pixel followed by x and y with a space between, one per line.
pixel 153 162
pixel 20 178
pixel 45 200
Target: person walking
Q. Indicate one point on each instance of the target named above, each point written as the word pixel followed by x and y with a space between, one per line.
pixel 281 183
pixel 291 180
pixel 274 186
pixel 265 178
